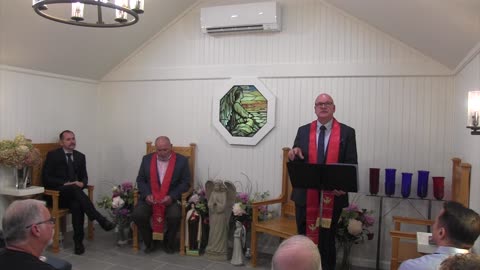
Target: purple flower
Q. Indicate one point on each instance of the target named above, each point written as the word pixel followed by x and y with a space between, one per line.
pixel 243 197
pixel 369 220
pixel 352 208
pixel 123 212
pixel 127 186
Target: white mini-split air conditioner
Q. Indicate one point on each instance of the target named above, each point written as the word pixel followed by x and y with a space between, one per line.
pixel 262 16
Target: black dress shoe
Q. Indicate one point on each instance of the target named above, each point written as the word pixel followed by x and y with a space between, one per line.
pixel 106 224
pixel 149 248
pixel 79 248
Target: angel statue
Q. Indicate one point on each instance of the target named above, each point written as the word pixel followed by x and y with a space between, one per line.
pixel 221 196
pixel 238 244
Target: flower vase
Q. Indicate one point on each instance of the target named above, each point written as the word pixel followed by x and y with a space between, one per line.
pixel 22 177
pixel 346 263
pixel 122 233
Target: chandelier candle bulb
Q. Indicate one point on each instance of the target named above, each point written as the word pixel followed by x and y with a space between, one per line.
pixel 77 11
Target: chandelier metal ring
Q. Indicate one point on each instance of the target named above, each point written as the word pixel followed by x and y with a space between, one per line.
pixel 40 8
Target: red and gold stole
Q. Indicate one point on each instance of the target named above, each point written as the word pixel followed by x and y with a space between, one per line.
pixel 159 192
pixel 313 203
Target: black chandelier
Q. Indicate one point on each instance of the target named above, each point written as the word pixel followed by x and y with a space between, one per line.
pixel 91 13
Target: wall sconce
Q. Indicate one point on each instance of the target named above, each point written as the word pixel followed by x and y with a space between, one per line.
pixel 474 112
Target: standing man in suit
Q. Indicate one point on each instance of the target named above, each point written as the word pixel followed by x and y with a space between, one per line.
pixel 162 178
pixel 323 141
pixel 65 170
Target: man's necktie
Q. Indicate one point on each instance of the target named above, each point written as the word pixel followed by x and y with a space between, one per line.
pixel 71 170
pixel 321 145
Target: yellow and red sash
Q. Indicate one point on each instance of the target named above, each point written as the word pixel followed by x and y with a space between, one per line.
pixel 313 203
pixel 159 192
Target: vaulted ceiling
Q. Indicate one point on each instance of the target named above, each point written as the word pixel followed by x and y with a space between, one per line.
pixel 448 31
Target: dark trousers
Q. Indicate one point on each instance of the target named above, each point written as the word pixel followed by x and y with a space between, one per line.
pixel 73 198
pixel 142 214
pixel 326 243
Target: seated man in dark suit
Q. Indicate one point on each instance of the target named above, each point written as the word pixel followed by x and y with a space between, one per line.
pixel 65 170
pixel 28 229
pixel 162 178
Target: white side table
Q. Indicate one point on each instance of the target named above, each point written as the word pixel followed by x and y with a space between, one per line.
pixel 11 191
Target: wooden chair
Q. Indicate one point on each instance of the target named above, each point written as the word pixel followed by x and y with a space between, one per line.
pixel 58 213
pixel 188 152
pixel 404 244
pixel 282 226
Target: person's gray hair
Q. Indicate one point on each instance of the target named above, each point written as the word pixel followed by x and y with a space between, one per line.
pixel 298 242
pixel 18 215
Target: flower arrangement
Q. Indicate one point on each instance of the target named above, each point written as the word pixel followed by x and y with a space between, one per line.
pixel 242 209
pixel 19 153
pixel 354 224
pixel 120 204
pixel 199 200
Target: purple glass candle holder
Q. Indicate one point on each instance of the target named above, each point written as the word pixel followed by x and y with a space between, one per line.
pixel 406 184
pixel 422 187
pixel 390 181
pixel 374 180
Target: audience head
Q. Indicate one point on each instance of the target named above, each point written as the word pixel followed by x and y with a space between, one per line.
pixel 67 140
pixel 297 252
pixel 28 225
pixel 466 261
pixel 324 108
pixel 164 148
pixel 456 226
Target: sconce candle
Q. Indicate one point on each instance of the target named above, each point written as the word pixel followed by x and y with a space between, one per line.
pixel 390 181
pixel 422 186
pixel 473 112
pixel 406 184
pixel 438 187
pixel 374 180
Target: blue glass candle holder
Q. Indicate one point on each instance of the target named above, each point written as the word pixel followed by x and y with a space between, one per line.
pixel 406 184
pixel 422 187
pixel 390 181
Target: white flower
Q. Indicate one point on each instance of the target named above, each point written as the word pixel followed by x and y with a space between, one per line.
pixel 238 210
pixel 23 149
pixel 354 227
pixel 117 202
pixel 194 199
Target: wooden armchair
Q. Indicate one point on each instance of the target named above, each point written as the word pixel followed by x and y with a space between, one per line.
pixel 282 226
pixel 58 213
pixel 188 152
pixel 404 244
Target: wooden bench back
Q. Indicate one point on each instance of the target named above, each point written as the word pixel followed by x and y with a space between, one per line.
pixel 44 148
pixel 461 182
pixel 187 151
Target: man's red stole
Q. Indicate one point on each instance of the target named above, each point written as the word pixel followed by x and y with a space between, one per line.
pixel 313 203
pixel 159 192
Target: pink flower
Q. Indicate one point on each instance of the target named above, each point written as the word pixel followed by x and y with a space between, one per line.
pixel 369 220
pixel 238 210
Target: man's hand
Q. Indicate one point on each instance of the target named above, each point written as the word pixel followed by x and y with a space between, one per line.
pixel 149 199
pixel 295 152
pixel 166 201
pixel 76 183
pixel 337 192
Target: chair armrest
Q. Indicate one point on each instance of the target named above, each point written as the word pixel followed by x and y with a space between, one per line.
pixel 404 235
pixel 185 196
pixel 408 220
pixel 255 206
pixel 55 194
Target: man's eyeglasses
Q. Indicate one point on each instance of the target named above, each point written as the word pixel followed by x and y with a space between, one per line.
pixel 50 220
pixel 323 104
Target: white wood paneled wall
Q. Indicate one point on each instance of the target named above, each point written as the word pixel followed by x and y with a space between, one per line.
pixel 397 99
pixel 467 146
